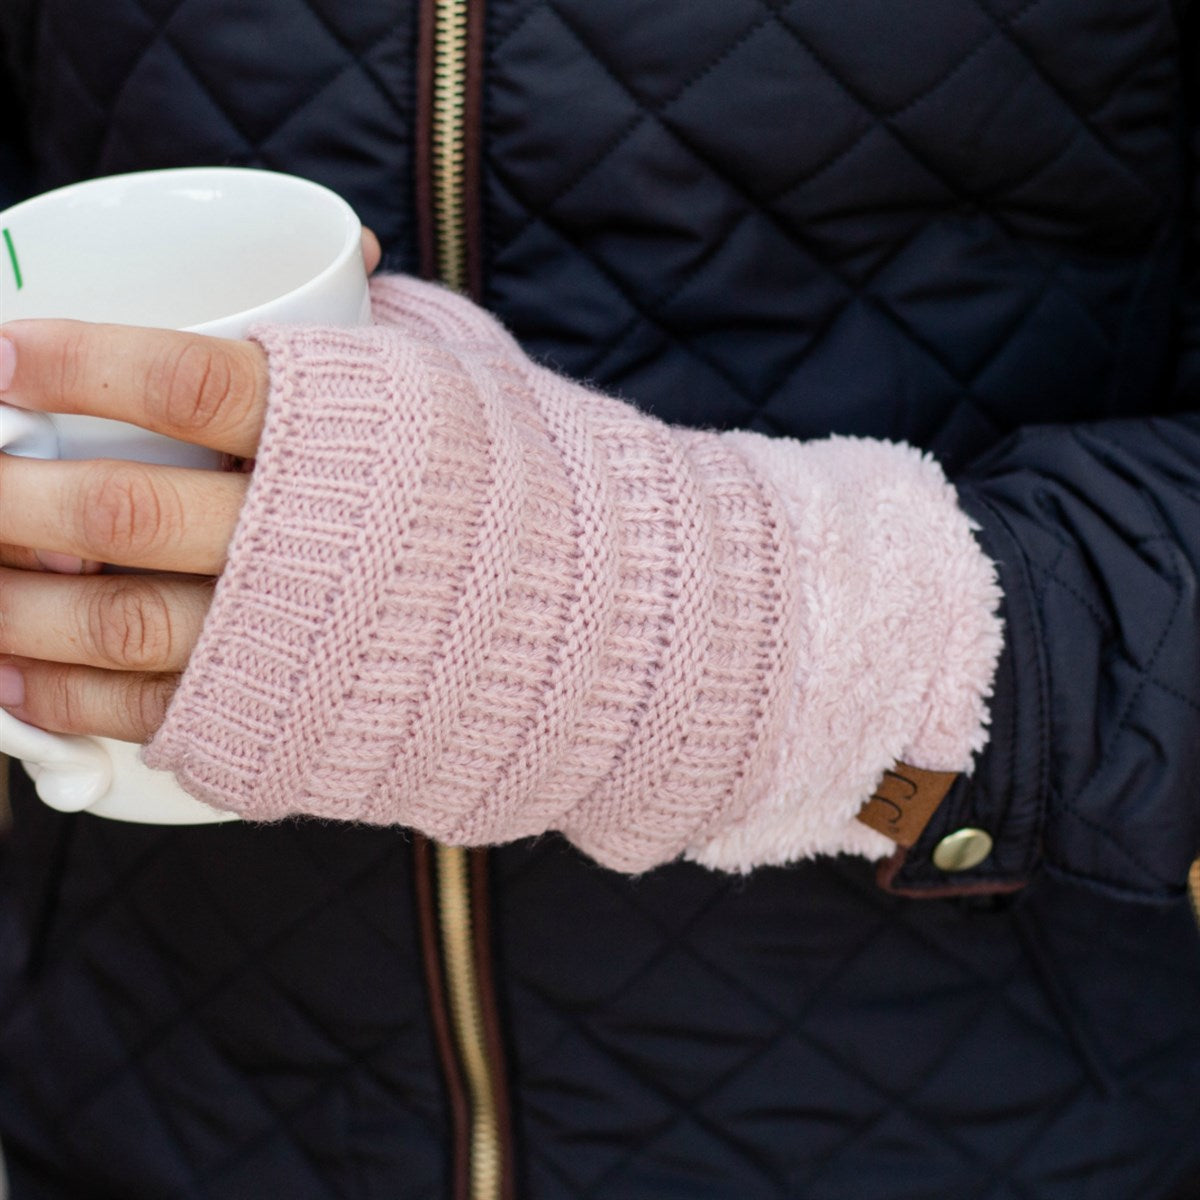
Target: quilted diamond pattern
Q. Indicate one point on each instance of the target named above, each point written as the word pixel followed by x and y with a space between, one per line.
pixel 703 270
pixel 328 93
pixel 231 1017
pixel 765 1038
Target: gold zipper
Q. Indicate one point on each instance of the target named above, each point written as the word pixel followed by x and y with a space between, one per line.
pixel 449 140
pixel 457 932
pixel 486 1170
pixel 1194 889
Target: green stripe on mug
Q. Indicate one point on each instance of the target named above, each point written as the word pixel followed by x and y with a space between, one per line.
pixel 12 255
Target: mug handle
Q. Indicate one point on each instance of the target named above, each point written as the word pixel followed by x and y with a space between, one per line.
pixel 70 773
pixel 27 434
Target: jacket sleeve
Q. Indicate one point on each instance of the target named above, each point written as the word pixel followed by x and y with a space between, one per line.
pixel 1093 770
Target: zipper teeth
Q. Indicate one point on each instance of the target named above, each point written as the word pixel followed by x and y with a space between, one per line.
pixel 449 120
pixel 1194 889
pixel 485 1175
pixel 466 1016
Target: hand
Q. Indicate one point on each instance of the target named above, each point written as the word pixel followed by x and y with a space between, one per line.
pixel 82 652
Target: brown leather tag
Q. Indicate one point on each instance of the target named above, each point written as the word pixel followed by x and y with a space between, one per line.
pixel 904 801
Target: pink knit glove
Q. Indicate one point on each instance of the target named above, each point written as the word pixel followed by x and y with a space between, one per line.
pixel 471 597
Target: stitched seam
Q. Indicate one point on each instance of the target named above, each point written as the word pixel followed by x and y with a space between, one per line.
pixel 1122 725
pixel 645 111
pixel 737 983
pixel 901 139
pixel 1069 806
pixel 208 94
pixel 1178 695
pixel 893 1099
pixel 1004 27
pixel 639 307
pixel 534 212
pixel 793 235
pixel 686 85
pixel 522 19
pixel 256 145
pixel 1025 315
pixel 793 1025
pixel 66 57
pixel 1003 191
pixel 811 174
pixel 907 144
pixel 1050 578
pixel 360 59
pixel 111 895
pixel 904 1103
pixel 679 1106
pixel 894 113
pixel 257 954
pixel 159 27
pixel 1119 889
pixel 683 1109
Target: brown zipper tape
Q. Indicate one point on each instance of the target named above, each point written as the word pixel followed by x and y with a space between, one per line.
pixel 425 214
pixel 481 924
pixel 439 1009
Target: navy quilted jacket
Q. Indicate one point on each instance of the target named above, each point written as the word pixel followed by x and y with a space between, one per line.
pixel 973 225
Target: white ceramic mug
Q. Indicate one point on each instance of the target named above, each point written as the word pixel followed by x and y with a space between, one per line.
pixel 208 249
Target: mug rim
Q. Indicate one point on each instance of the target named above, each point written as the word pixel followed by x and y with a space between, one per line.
pixel 351 243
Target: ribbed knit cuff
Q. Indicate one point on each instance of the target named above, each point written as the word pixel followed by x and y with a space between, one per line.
pixel 254 726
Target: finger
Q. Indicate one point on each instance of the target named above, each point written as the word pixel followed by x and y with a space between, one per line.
pixel 119 622
pixel 371 251
pixel 25 559
pixel 86 700
pixel 129 514
pixel 206 390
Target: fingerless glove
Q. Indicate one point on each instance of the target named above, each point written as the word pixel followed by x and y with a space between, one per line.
pixel 471 597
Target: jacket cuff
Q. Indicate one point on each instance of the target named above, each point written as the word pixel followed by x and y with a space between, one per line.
pixel 1005 795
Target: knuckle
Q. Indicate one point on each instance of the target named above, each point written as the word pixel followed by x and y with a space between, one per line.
pixel 68 365
pixel 146 700
pixel 62 703
pixel 196 384
pixel 128 625
pixel 124 516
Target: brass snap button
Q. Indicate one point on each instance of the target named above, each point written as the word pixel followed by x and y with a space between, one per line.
pixel 962 850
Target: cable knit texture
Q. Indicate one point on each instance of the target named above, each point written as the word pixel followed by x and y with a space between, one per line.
pixel 471 597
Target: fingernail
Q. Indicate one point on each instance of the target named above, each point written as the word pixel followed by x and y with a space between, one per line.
pixel 60 564
pixel 8 363
pixel 12 688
